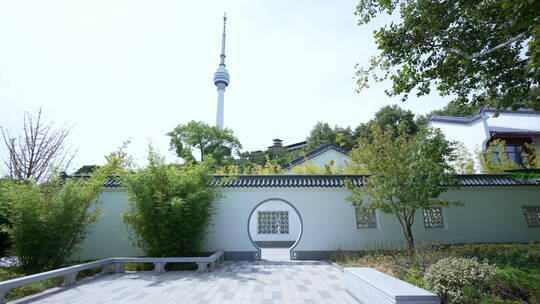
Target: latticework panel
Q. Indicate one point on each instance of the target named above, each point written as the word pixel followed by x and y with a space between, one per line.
pixel 365 218
pixel 433 217
pixel 273 222
pixel 532 216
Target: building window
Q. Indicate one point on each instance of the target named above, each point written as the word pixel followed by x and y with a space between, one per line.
pixel 532 216
pixel 273 222
pixel 433 217
pixel 365 218
pixel 514 153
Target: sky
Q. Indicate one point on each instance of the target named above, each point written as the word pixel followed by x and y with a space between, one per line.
pixel 119 70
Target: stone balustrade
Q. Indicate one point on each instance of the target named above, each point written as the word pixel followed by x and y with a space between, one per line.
pixel 111 265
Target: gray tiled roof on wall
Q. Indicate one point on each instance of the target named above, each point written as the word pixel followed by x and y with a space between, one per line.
pixel 509 111
pixel 111 182
pixel 503 130
pixel 455 119
pixel 334 181
pixel 320 150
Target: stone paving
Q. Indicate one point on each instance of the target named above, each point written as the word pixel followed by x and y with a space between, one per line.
pixel 233 282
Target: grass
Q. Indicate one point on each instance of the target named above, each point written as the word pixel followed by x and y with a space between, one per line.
pixel 519 263
pixel 8 273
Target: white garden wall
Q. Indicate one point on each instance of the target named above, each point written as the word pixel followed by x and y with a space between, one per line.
pixel 489 214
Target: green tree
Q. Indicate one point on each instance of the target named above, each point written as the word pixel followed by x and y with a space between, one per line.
pixel 48 221
pixel 170 207
pixel 388 116
pixel 209 140
pixel 463 162
pixel 484 53
pixel 407 173
pixel 322 134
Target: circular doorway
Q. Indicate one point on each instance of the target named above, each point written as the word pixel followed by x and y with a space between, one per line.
pixel 274 228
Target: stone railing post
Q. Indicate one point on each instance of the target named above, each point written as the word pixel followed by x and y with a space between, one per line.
pixel 159 267
pixel 70 279
pixel 118 267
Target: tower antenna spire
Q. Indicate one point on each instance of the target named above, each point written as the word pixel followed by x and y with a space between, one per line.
pixel 222 56
pixel 221 79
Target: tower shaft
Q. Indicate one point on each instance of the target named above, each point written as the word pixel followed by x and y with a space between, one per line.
pixel 221 80
pixel 220 107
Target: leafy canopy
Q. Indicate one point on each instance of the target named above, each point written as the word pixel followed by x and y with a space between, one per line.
pixel 482 52
pixel 322 134
pixel 407 172
pixel 388 116
pixel 209 140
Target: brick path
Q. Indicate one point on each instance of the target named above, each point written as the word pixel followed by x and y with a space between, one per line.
pixel 233 282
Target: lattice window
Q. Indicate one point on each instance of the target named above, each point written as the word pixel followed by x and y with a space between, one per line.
pixel 433 217
pixel 273 222
pixel 365 218
pixel 532 216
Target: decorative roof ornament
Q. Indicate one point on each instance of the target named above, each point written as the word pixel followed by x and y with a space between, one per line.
pixel 221 78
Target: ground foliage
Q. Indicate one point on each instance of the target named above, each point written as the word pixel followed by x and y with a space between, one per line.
pixel 170 207
pixel 482 52
pixel 518 265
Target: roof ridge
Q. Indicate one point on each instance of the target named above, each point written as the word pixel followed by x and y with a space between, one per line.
pixel 313 153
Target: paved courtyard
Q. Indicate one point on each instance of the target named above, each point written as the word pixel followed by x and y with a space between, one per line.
pixel 233 282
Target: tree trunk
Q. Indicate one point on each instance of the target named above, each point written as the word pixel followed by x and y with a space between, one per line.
pixel 410 239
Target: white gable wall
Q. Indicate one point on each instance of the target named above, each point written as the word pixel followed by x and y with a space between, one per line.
pixel 473 136
pixel 515 120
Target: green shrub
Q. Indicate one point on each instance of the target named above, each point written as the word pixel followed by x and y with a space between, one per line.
pixel 523 256
pixel 516 285
pixel 4 211
pixel 48 221
pixel 170 207
pixel 448 277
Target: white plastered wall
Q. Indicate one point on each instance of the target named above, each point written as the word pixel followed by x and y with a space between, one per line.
pixel 473 136
pixel 515 120
pixel 109 236
pixel 489 214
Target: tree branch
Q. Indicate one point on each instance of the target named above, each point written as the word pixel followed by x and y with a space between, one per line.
pixel 483 53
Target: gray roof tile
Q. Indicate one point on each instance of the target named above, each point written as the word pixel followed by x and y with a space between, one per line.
pixel 313 153
pixel 335 181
